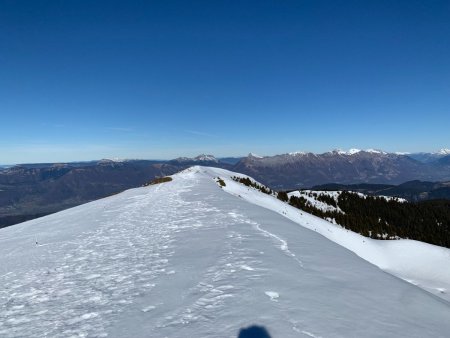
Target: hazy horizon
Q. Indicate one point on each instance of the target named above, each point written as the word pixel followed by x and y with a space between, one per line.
pixel 206 153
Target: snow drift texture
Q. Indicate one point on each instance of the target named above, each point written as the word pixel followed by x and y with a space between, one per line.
pixel 190 259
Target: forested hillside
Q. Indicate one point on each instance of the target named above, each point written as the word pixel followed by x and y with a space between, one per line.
pixel 379 217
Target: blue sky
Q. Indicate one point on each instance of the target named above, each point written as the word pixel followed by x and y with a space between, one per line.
pixel 86 80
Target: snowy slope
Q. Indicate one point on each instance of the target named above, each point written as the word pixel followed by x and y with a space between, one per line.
pixel 189 259
pixel 422 264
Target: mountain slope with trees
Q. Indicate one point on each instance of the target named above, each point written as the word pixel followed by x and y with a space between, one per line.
pixel 379 217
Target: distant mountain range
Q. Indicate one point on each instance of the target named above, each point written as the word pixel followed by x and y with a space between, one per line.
pixel 31 190
pixel 200 159
pixel 430 157
pixel 302 169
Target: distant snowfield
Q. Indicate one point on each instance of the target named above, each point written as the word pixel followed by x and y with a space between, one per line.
pixel 190 259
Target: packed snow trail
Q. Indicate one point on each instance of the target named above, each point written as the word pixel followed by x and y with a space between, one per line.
pixel 187 259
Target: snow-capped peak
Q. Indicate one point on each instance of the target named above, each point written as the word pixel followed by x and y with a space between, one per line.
pixel 344 152
pixel 297 153
pixel 375 151
pixel 338 151
pixel 206 158
pixel 354 151
pixel 199 158
pixel 254 155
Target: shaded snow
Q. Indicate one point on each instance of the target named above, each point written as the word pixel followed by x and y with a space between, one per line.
pixel 190 259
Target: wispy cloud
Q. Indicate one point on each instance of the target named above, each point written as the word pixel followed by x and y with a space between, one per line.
pixel 53 125
pixel 199 133
pixel 122 129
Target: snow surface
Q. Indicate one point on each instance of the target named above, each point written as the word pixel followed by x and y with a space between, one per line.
pixel 188 258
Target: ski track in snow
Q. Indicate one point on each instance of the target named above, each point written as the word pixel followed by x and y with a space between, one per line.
pixel 283 243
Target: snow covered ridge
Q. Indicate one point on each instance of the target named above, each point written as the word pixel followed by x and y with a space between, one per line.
pixel 297 153
pixel 350 152
pixel 204 157
pixel 254 155
pixel 196 258
pixel 199 158
pixel 354 151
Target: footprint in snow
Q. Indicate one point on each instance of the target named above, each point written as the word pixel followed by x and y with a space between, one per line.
pixel 273 295
pixel 148 308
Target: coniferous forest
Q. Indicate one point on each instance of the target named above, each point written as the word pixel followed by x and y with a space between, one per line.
pixel 379 218
pixel 376 217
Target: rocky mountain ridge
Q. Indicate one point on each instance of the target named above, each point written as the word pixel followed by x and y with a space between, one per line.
pixel 303 169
